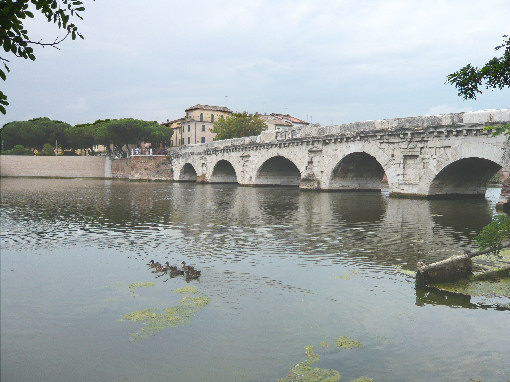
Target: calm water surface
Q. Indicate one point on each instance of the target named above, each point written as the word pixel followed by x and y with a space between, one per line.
pixel 282 268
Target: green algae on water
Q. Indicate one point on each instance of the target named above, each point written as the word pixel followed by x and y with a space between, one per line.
pixel 141 315
pixel 187 290
pixel 362 379
pixel 324 344
pixel 495 283
pixel 403 271
pixel 347 343
pixel 132 286
pixel 348 276
pixel 156 320
pixel 304 372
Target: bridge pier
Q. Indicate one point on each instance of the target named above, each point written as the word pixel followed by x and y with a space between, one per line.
pixel 444 156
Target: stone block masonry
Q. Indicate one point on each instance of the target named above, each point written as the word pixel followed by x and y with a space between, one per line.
pixel 55 166
pixel 143 168
pixel 134 168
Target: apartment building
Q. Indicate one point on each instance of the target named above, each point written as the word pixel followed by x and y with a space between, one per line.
pixel 198 122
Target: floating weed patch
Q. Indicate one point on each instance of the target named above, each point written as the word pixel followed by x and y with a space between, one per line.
pixel 199 301
pixel 347 343
pixel 362 379
pixel 141 315
pixel 187 290
pixel 403 271
pixel 324 344
pixel 495 283
pixel 156 321
pixel 304 372
pixel 132 286
pixel 348 276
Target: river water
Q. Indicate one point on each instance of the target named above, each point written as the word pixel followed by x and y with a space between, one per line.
pixel 282 269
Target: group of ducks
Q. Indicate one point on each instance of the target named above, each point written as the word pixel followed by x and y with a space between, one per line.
pixel 188 270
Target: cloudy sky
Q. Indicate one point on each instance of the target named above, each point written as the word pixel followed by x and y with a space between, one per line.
pixel 330 61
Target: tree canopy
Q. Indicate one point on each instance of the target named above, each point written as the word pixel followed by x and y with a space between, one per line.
pixel 117 133
pixel 495 74
pixel 33 133
pixel 15 39
pixel 238 125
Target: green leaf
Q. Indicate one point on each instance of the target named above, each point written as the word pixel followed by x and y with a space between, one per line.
pixel 2 75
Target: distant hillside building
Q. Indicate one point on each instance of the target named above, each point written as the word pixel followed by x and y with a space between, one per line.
pixel 277 122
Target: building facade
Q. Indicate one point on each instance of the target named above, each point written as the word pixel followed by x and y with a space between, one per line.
pixel 176 127
pixel 276 122
pixel 198 122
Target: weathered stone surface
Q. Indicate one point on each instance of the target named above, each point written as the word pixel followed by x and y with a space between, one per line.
pixel 143 168
pixel 443 155
pixel 55 166
pixel 451 269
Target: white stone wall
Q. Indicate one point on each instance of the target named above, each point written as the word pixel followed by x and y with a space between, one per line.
pixel 55 166
pixel 411 151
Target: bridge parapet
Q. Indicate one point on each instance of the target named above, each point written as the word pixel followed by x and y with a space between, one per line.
pixel 444 125
pixel 431 156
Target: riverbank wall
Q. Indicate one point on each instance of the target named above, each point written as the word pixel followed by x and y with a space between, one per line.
pixel 134 168
pixel 55 166
pixel 143 168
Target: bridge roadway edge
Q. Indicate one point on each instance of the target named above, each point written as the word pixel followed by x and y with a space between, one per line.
pixel 413 152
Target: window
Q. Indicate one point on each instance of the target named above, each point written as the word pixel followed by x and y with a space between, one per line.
pixel 202 140
pixel 201 117
pixel 189 140
pixel 212 117
pixel 203 127
pixel 189 128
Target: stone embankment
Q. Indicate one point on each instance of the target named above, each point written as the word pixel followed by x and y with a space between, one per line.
pixel 135 168
pixel 55 166
pixel 143 168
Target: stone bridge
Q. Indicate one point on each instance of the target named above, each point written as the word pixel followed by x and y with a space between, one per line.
pixel 448 155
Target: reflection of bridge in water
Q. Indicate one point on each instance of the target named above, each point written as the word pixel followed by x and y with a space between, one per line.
pixel 438 156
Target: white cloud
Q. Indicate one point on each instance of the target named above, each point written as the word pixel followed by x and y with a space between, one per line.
pixel 337 60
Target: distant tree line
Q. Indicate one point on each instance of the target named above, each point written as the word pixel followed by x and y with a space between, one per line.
pixel 41 134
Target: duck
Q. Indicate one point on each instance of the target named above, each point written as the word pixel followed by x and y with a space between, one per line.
pixel 187 268
pixel 193 274
pixel 175 272
pixel 150 263
pixel 159 267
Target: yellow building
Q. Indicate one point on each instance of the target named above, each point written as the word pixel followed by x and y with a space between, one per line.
pixel 176 126
pixel 196 126
pixel 199 120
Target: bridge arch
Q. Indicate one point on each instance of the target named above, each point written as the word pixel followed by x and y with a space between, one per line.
pixel 278 171
pixel 464 177
pixel 466 171
pixel 360 169
pixel 188 173
pixel 223 172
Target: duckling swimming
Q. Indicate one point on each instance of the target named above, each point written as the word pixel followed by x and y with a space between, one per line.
pixel 192 274
pixel 185 267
